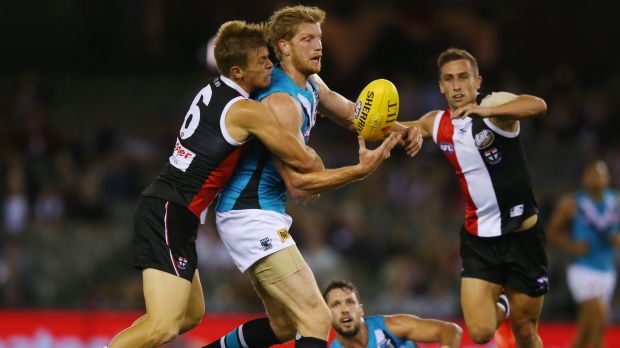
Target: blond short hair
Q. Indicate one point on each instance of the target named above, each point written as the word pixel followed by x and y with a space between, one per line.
pixel 234 41
pixel 452 54
pixel 283 24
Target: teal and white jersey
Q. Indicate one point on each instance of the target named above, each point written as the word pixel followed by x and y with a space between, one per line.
pixel 379 336
pixel 593 223
pixel 256 183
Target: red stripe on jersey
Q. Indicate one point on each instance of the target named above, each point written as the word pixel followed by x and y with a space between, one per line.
pixel 445 132
pixel 214 183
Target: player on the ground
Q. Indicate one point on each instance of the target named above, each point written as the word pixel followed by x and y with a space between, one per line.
pixel 355 330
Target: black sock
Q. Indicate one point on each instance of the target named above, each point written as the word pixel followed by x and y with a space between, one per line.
pixel 310 342
pixel 255 333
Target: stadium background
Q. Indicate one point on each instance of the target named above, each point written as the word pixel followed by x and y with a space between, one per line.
pixel 92 93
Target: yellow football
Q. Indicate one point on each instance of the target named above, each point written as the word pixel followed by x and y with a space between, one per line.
pixel 376 109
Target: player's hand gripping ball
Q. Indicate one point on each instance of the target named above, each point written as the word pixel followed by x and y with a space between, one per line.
pixel 376 109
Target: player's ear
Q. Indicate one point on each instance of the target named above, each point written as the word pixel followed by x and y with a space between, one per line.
pixel 441 87
pixel 362 308
pixel 478 82
pixel 236 72
pixel 284 47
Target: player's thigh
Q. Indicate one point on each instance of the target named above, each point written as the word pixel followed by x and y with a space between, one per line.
pixel 166 297
pixel 524 308
pixel 196 304
pixel 479 302
pixel 286 279
pixel 282 322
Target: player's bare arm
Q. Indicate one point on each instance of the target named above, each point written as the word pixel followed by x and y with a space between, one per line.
pixel 334 106
pixel 424 124
pixel 411 138
pixel 304 184
pixel 425 330
pixel 248 117
pixel 507 115
pixel 560 222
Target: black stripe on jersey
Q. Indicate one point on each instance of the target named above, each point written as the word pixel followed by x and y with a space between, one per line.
pixel 505 161
pixel 248 199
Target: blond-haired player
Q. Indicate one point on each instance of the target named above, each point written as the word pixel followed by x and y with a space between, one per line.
pixel 251 216
pixel 220 120
pixel 503 246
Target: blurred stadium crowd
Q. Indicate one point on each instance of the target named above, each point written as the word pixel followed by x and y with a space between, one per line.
pixel 93 92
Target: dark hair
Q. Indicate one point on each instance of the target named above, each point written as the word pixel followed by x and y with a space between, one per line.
pixel 233 42
pixel 340 284
pixel 452 54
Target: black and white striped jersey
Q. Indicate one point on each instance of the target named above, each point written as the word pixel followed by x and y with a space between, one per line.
pixel 492 170
pixel 204 156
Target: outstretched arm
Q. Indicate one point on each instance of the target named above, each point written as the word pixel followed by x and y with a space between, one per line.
pixel 417 329
pixel 560 222
pixel 306 184
pixel 424 124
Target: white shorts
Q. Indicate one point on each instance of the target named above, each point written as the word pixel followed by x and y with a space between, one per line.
pixel 586 283
pixel 251 234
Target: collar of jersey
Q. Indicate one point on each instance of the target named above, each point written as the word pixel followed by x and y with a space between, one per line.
pixel 233 84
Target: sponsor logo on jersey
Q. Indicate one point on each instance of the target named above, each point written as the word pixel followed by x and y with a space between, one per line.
pixel 182 262
pixel 181 157
pixel 383 340
pixel 492 155
pixel 265 244
pixel 484 139
pixel 517 210
pixel 446 147
pixel 283 233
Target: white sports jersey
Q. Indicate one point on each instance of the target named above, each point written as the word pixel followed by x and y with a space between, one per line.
pixel 492 170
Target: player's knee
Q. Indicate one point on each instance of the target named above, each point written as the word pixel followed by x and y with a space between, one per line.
pixel 283 328
pixel 161 333
pixel 525 332
pixel 320 316
pixel 480 334
pixel 192 318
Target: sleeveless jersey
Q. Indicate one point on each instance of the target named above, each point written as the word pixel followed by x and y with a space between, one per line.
pixel 594 222
pixel 204 155
pixel 379 336
pixel 492 170
pixel 256 183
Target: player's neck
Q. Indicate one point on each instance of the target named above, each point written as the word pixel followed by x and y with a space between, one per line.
pixel 297 76
pixel 360 340
pixel 243 86
pixel 595 194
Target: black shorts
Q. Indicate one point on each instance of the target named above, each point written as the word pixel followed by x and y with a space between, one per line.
pixel 165 237
pixel 517 260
